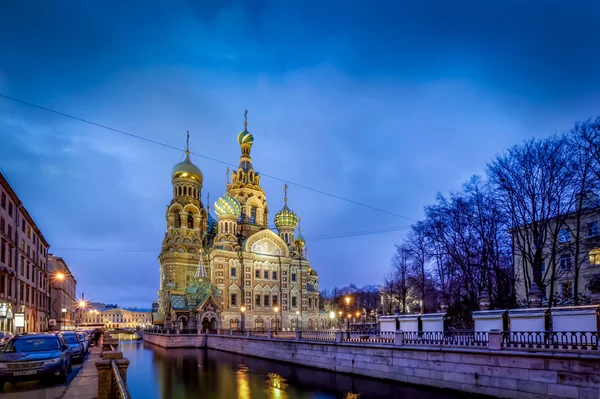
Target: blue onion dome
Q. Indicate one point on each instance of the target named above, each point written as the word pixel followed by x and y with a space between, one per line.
pixel 187 169
pixel 228 206
pixel 245 138
pixel 286 218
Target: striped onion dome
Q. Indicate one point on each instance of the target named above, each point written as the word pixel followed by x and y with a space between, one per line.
pixel 227 206
pixel 245 138
pixel 286 218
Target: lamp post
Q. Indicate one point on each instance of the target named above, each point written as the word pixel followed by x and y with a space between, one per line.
pixel 347 300
pixel 276 309
pixel 81 305
pixel 340 319
pixel 243 310
pixel 331 317
pixel 298 325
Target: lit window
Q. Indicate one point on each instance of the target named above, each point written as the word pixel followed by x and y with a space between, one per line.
pixel 564 235
pixel 566 288
pixel 595 256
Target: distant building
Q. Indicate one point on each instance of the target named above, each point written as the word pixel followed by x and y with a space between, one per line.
pixel 111 316
pixel 24 283
pixel 63 300
pixel 565 260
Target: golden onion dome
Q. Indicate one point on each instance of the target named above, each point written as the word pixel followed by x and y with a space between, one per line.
pixel 227 205
pixel 187 169
pixel 299 240
pixel 286 218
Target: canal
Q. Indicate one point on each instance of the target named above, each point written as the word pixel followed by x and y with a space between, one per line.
pixel 156 372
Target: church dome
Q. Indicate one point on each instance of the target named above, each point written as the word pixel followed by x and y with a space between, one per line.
pixel 286 218
pixel 299 239
pixel 228 206
pixel 245 138
pixel 188 170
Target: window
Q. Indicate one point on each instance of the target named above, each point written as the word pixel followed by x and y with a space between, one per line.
pixel 592 229
pixel 564 235
pixel 190 221
pixel 310 305
pixel 266 302
pixel 2 225
pixel 294 302
pixel 3 200
pixel 10 209
pixel 28 231
pixel 274 275
pixel 233 272
pixel 233 299
pixel 566 289
pixel 10 232
pixel 257 274
pixel 3 251
pixel 23 227
pixel 595 256
pixel 294 277
pixel 543 266
pixel 266 274
pixel 257 300
pixel 565 262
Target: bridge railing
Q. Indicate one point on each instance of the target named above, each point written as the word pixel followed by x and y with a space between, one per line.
pixel 557 340
pixel 446 338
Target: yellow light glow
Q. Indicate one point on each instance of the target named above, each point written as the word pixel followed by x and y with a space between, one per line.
pixel 276 309
pixel 243 309
pixel 349 315
pixel 297 312
pixel 332 315
pixel 340 313
pixel 82 304
pixel 347 299
pixel 59 276
pixel 357 314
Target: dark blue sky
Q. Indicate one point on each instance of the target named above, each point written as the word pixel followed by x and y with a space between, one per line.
pixel 386 103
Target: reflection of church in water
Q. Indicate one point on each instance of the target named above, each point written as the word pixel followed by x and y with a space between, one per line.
pixel 213 271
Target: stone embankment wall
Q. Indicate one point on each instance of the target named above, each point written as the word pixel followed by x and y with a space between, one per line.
pixel 504 373
pixel 176 341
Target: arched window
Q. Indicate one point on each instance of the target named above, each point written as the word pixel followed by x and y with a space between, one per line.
pixel 190 221
pixel 253 214
pixel 310 302
pixel 177 220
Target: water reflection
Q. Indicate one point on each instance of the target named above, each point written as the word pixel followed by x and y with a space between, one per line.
pixel 156 372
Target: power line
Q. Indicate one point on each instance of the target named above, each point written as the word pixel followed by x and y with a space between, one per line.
pixel 318 238
pixel 203 156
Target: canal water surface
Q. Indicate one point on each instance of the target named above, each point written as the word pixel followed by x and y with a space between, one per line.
pixel 156 372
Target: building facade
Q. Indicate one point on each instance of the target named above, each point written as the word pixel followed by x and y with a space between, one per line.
pixel 234 269
pixel 63 300
pixel 115 318
pixel 24 283
pixel 570 252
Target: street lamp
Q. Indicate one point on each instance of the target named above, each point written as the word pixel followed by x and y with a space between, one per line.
pixel 331 317
pixel 276 309
pixel 347 299
pixel 298 325
pixel 243 310
pixel 59 276
pixel 340 319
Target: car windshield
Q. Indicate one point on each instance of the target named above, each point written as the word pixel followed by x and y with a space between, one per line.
pixel 71 339
pixel 37 344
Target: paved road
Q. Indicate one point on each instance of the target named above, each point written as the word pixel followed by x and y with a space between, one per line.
pixel 37 389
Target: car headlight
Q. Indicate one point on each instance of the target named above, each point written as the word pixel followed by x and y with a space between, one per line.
pixel 52 361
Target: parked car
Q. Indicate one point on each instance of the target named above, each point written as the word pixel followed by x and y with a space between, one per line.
pixel 84 341
pixel 4 338
pixel 28 357
pixel 72 339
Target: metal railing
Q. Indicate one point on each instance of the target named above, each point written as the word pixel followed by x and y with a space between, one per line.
pixel 557 340
pixel 446 338
pixel 378 337
pixel 311 335
pixel 119 389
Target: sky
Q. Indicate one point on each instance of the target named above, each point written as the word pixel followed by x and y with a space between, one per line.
pixel 384 103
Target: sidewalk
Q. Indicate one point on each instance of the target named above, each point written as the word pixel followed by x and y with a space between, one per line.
pixel 85 383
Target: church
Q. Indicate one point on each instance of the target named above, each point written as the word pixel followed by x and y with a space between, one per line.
pixel 233 271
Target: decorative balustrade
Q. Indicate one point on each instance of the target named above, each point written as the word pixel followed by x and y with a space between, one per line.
pixel 112 371
pixel 446 338
pixel 380 337
pixel 557 340
pixel 311 335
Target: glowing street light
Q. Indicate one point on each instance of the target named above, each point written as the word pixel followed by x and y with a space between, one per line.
pixel 276 309
pixel 243 310
pixel 59 276
pixel 347 299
